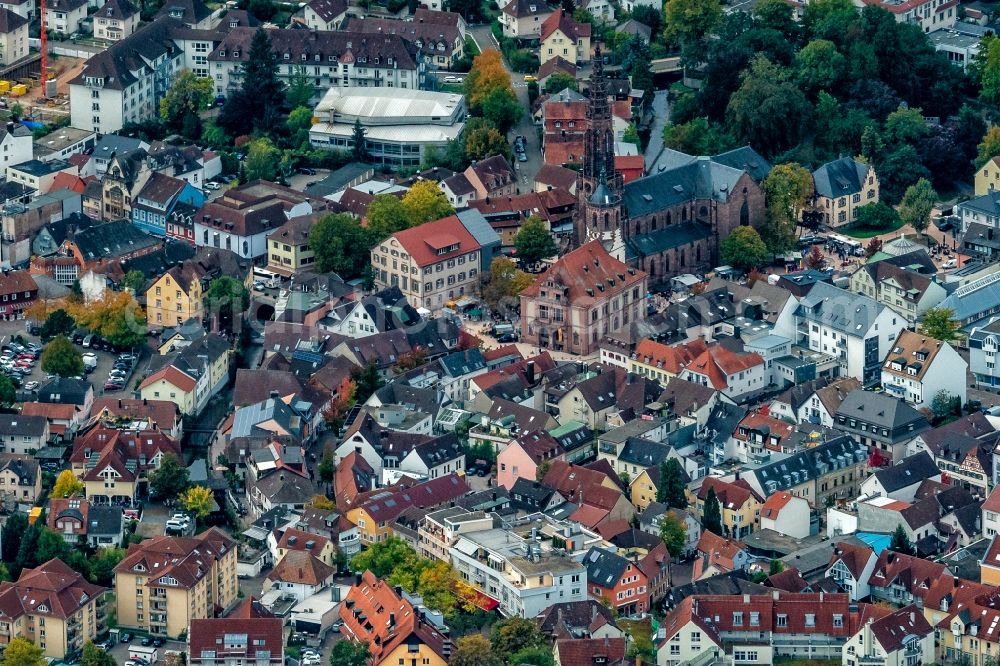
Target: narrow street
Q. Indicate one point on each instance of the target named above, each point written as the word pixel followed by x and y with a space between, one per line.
pixel 484 39
pixel 661 116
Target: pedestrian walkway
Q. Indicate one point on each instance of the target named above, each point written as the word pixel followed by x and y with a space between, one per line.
pixel 661 113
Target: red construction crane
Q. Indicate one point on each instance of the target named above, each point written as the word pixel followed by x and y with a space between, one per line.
pixel 45 50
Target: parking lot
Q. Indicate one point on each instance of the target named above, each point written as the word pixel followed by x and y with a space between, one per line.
pixel 105 363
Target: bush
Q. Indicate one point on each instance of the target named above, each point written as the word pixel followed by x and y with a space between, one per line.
pixel 522 60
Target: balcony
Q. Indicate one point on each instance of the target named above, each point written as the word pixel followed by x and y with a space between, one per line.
pixel 870 660
pixel 760 457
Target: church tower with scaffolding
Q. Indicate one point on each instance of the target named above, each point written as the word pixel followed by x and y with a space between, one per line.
pixel 600 213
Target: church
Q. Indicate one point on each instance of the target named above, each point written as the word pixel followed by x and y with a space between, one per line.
pixel 669 222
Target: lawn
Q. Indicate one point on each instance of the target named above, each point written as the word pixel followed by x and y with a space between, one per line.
pixel 641 632
pixel 868 232
pixel 452 88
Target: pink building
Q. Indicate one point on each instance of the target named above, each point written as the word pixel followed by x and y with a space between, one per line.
pixel 523 456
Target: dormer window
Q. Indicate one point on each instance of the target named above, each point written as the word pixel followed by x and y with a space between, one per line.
pixel 222 53
pixel 236 54
pixel 304 57
pixel 287 56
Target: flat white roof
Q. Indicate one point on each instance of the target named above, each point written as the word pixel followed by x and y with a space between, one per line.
pixel 392 133
pixel 378 103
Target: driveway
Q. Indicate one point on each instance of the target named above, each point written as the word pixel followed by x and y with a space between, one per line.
pixel 526 171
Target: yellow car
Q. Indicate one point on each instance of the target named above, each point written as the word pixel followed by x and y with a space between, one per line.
pixel 528 78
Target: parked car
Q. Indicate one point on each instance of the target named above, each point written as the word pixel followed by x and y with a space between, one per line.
pixel 113 386
pixel 31 386
pixel 507 337
pixel 521 157
pixel 452 79
pixel 146 641
pixel 306 171
pixel 212 185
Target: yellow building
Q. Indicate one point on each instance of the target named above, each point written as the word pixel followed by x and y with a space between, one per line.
pixel 318 546
pixel 988 177
pixel 175 297
pixel 288 247
pixel 564 38
pixel 165 582
pixel 54 607
pixel 663 362
pixel 738 504
pixel 199 371
pixel 643 489
pixel 842 187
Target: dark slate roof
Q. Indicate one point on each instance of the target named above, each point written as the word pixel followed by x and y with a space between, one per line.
pixel 633 538
pixel 809 464
pixel 187 11
pixel 64 390
pixel 604 567
pixel 530 495
pixel 117 9
pixel 156 263
pixel 881 409
pixel 117 63
pixel 102 519
pixel 746 159
pixel 907 472
pixel 728 584
pixel 9 21
pixel 840 178
pixel 19 424
pixel 463 362
pixel 676 235
pixel 440 449
pixel 643 452
pixel 112 239
pixel 25 469
pixel 701 178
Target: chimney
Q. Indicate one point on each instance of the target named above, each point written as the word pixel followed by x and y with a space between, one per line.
pixel 494 496
pixel 274 393
pixel 398 590
pixel 530 372
pixel 392 619
pixel 357 579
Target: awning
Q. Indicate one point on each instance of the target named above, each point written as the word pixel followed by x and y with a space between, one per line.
pixel 475 312
pixel 465 302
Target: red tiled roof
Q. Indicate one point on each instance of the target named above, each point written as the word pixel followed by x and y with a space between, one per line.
pixel 502 352
pixel 718 364
pixel 774 504
pixel 161 413
pixel 423 242
pixel 374 614
pixel 560 20
pixel 294 539
pixel 582 270
pixel 588 650
pixel 855 558
pixel 50 410
pixel 68 181
pixel 891 630
pixel 720 553
pixel 262 634
pixel 670 358
pixel 16 282
pixel 52 586
pixel 730 495
pixel 172 375
pixel 182 558
pixel 304 568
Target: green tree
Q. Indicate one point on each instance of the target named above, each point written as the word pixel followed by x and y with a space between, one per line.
pixel 187 96
pixel 674 534
pixel 59 322
pixel 900 541
pixel 944 404
pixel 198 501
pixel 877 216
pixel 989 147
pixel 262 160
pixel 690 20
pixel 820 66
pixel 261 86
pixel 336 241
pixel 225 298
pixel 482 140
pixel 386 215
pixel 133 280
pixel 349 653
pixel 22 652
pixel 514 634
pixel 504 282
pixel 940 324
pixel 8 392
pixel 768 92
pixel 917 204
pixel 474 650
pixel 696 137
pixel 11 534
pixel 61 358
pixel 743 248
pixel 787 188
pixel 501 109
pixel 534 242
pixel 711 519
pixel 533 656
pixel 359 146
pixel 326 467
pixel 986 67
pixel 559 82
pixel 425 202
pixel 670 490
pixel 298 124
pixel 95 656
pixel 102 565
pixel 367 380
pixel 170 479
pixel 777 566
pixel 383 557
pixel 631 135
pixel 300 88
pixel 66 485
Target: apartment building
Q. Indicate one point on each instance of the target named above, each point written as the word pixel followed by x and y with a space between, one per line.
pixel 54 607
pixel 928 15
pixel 116 20
pixel 563 37
pixel 237 640
pixel 432 264
pixel 64 16
pixel 521 575
pixel 856 330
pixel 880 420
pixel 440 529
pixel 166 582
pixel 908 292
pixel 918 367
pixel 288 247
pixel 983 345
pixel 176 296
pixel 739 506
pixel 13 37
pixel 340 59
pixel 579 299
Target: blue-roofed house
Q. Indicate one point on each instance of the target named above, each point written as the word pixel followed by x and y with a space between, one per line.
pixel 841 188
pixel 157 199
pixel 976 303
pixel 457 369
